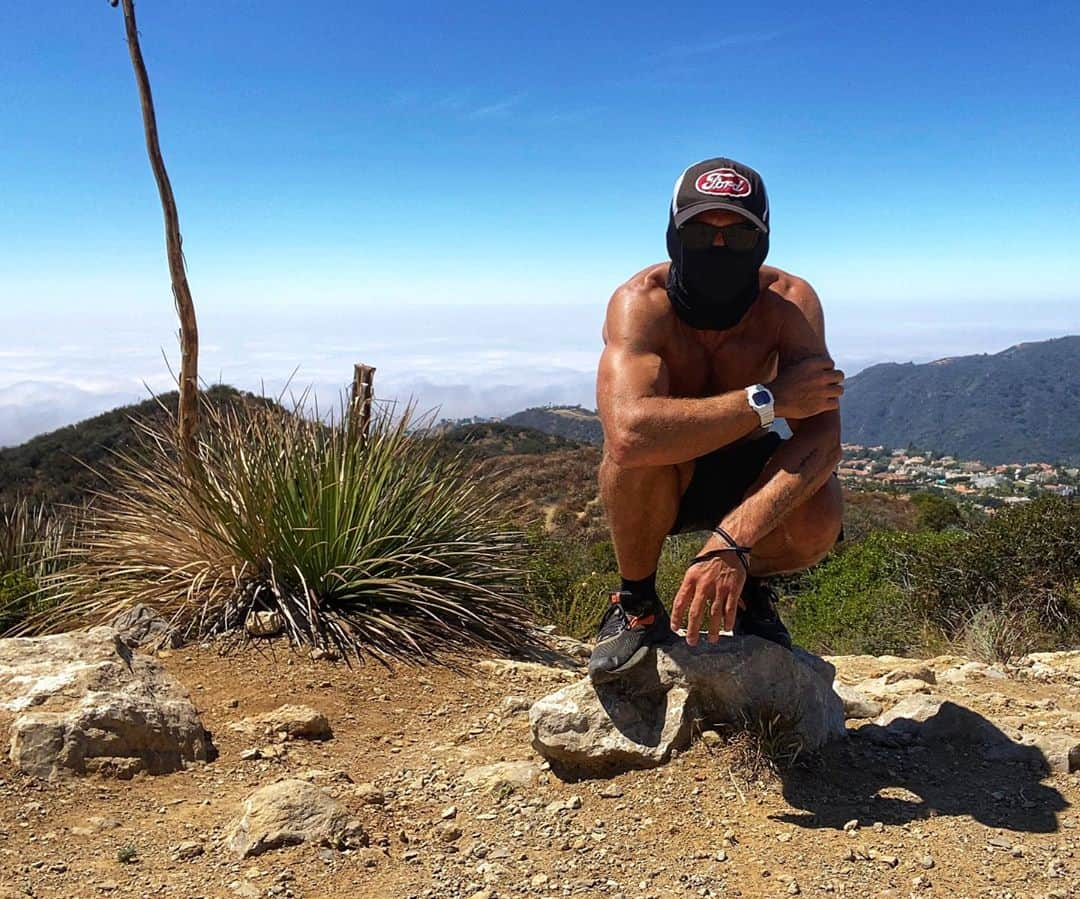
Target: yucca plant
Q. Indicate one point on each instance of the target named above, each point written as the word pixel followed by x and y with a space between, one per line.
pixel 378 546
pixel 32 544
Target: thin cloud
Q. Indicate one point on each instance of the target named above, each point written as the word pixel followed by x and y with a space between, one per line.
pixel 745 39
pixel 460 104
pixel 495 109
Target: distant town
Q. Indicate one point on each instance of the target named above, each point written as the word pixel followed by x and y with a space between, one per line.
pixel 879 467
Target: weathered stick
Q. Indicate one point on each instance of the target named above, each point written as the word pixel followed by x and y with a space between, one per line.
pixel 362 393
pixel 185 308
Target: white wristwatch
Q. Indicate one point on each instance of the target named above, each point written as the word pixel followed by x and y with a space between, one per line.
pixel 760 399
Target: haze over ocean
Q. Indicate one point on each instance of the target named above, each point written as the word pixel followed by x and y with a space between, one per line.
pixel 452 193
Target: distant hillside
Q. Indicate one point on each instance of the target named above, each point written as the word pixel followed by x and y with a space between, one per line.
pixel 572 422
pixel 1022 404
pixel 486 439
pixel 56 467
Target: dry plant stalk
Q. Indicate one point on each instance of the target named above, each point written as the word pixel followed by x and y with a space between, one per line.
pixel 185 308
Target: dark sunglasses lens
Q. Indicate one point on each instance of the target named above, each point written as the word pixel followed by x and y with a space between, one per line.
pixel 697 235
pixel 741 237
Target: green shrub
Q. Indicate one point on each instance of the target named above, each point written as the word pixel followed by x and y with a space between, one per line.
pixel 934 512
pixel 856 601
pixel 31 544
pixel 1021 563
pixel 373 546
pixel 567 581
pixel 570 579
pixel 1006 586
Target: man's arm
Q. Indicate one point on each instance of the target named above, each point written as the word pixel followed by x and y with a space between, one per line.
pixel 794 473
pixel 643 426
pixel 802 466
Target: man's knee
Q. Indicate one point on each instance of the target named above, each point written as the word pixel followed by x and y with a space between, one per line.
pixel 616 479
pixel 817 524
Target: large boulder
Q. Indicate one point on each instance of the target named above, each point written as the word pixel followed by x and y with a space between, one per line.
pixel 83 702
pixel 637 722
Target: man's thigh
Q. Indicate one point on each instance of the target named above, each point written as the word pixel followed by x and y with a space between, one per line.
pixel 720 480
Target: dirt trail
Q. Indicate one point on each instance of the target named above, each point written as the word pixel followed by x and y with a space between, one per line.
pixel 930 822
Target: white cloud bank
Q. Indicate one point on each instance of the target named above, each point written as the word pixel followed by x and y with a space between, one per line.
pixel 469 360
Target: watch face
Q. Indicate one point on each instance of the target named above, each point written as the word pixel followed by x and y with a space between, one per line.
pixel 762 398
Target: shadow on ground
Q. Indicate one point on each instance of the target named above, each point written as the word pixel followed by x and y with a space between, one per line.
pixel 956 763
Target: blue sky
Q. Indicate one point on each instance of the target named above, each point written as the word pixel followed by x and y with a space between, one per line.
pixel 451 192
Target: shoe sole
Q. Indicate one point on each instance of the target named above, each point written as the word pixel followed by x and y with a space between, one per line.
pixel 613 673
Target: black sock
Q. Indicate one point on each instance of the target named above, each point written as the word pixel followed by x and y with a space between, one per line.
pixel 643 592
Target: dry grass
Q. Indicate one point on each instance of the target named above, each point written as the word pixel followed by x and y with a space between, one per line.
pixel 380 547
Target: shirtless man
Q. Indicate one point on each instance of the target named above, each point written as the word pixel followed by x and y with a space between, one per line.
pixel 700 354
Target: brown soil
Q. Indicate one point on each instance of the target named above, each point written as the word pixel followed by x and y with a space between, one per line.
pixel 931 823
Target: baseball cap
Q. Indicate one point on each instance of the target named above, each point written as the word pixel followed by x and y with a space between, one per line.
pixel 720 183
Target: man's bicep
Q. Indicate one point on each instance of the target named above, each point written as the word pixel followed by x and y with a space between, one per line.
pixel 626 376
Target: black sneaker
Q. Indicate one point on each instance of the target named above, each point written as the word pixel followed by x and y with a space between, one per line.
pixel 760 618
pixel 625 636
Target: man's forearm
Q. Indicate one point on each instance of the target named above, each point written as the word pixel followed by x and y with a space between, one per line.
pixel 665 430
pixel 795 473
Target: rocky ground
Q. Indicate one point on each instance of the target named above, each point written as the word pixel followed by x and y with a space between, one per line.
pixel 433 770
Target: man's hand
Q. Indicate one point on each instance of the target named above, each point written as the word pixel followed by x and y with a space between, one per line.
pixel 807 388
pixel 714 587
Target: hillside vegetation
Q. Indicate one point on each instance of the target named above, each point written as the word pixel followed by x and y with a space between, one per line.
pixel 63 466
pixel 1022 404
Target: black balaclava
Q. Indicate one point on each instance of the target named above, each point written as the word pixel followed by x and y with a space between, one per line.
pixel 712 289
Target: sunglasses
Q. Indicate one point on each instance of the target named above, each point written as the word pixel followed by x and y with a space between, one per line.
pixel 701 235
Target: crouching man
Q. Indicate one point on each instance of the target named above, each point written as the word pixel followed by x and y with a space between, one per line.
pixel 700 354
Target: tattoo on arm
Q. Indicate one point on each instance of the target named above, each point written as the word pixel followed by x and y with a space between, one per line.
pixel 810 455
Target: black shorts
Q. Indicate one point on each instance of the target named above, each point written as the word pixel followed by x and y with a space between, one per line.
pixel 720 481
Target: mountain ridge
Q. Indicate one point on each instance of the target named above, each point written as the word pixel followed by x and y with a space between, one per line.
pixel 1018 405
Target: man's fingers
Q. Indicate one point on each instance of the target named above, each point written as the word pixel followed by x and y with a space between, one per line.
pixel 682 600
pixel 716 616
pixel 697 614
pixel 731 606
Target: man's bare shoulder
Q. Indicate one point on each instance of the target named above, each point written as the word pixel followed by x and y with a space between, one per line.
pixel 800 299
pixel 639 310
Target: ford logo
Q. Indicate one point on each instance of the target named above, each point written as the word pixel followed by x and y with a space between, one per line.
pixel 723 183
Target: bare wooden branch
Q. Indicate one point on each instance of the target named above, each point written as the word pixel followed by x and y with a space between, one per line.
pixel 362 393
pixel 185 308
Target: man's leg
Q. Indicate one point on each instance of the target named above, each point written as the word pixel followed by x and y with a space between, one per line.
pixel 641 506
pixel 804 537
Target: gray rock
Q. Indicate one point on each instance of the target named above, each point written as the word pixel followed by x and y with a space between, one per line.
pixel 502 775
pixel 297 722
pixel 290 812
pixel 910 670
pixel 187 850
pixel 1060 751
pixel 638 721
pixel 968 671
pixel 369 794
pixel 931 719
pixel 264 624
pixel 83 701
pixel 141 625
pixel 855 704
pixel 1063 665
